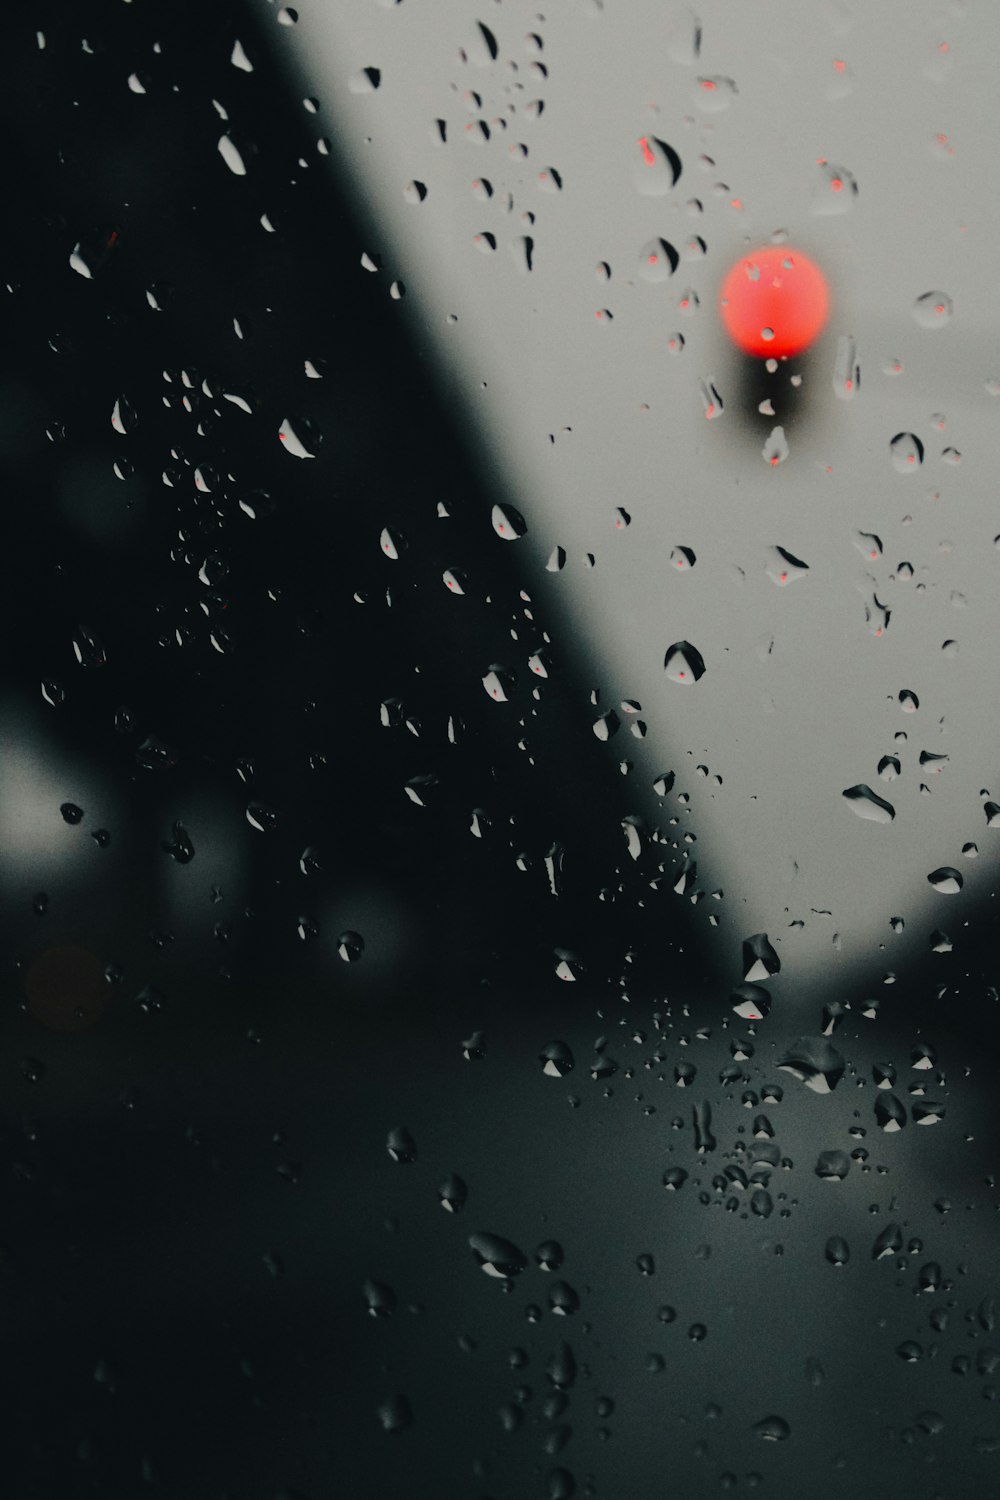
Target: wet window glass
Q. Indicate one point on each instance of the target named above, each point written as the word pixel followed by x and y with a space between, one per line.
pixel 498 777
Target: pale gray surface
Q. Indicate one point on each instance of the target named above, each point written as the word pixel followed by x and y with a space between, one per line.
pixel 787 729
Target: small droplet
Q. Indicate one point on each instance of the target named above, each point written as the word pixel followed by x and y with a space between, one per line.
pixel 655 167
pixel 658 260
pixel 933 309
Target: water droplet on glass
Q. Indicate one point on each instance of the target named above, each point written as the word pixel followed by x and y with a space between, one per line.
pixel 497 1256
pixel 751 1001
pixel 508 523
pixel 350 947
pixel 658 260
pixel 380 1299
pixel 401 1146
pixel 452 1194
pixel 784 567
pixel 232 156
pixel 907 452
pixel 683 663
pixel 835 191
pixel 868 805
pixel 837 1251
pixel 299 437
pixel 946 880
pixel 760 961
pixel 556 1059
pixel 772 1429
pixel 395 1414
pixel 715 94
pixel 655 166
pixel 365 81
pixel 179 845
pixel 933 309
pixel 815 1063
pixel 775 450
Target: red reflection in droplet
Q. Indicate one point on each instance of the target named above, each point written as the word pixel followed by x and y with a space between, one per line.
pixel 779 290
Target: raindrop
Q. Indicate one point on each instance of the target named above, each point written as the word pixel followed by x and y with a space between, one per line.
pixel 232 156
pixel 683 663
pixel 775 450
pixel 452 1194
pixel 556 1059
pixel 179 845
pixel 365 81
pixel 715 94
pixel 760 961
pixel 499 683
pixel 833 1166
pixel 868 805
pixel 784 567
pixel 401 1146
pixel 508 523
pixel 889 1242
pixel 946 880
pixel 751 1001
pixel 392 543
pixel 549 1255
pixel 890 1115
pixel 837 1250
pixel 496 1256
pixel 835 190
pixel 772 1429
pixel 350 947
pixel 261 817
pixel 658 260
pixel 655 167
pixel 815 1063
pixel 395 1412
pixel 907 452
pixel 380 1299
pixel 300 437
pixel 71 813
pixel 933 309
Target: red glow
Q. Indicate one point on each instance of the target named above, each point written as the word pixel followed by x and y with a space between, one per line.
pixel 837 184
pixel 648 155
pixel 839 65
pixel 778 290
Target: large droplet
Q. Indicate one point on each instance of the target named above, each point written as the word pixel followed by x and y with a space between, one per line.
pixel 556 1059
pixel 750 1001
pixel 683 663
pixel 815 1063
pixel 508 523
pixel 760 961
pixel 868 805
pixel 946 880
pixel 497 1256
pixel 299 437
